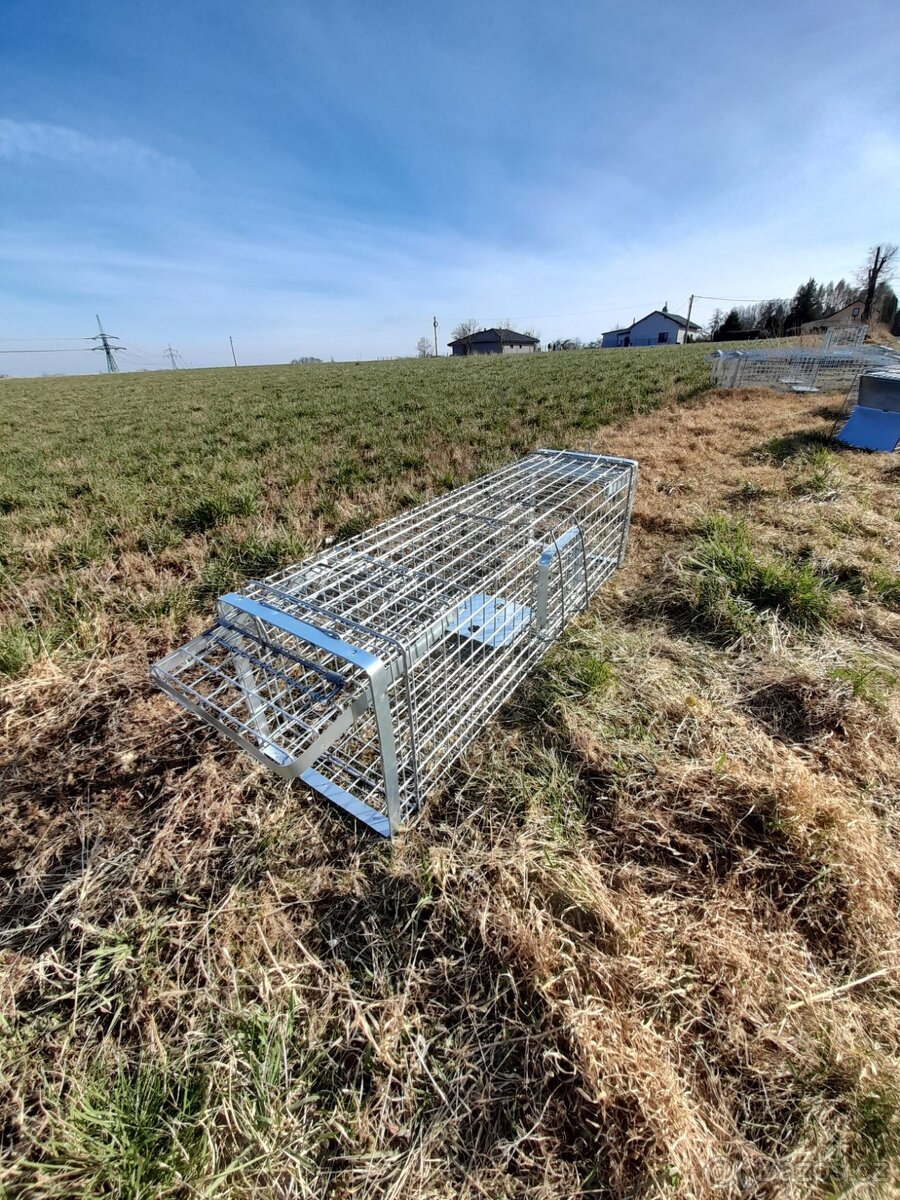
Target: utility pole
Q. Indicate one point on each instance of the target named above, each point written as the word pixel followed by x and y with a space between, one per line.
pixel 171 355
pixel 434 323
pixel 687 327
pixel 107 347
pixel 233 355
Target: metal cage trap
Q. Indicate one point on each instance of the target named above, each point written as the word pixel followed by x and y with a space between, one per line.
pixel 796 369
pixel 367 669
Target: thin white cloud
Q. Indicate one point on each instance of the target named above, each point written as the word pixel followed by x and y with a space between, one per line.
pixel 36 140
pixel 597 254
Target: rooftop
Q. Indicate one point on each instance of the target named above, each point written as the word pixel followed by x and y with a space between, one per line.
pixel 681 322
pixel 496 335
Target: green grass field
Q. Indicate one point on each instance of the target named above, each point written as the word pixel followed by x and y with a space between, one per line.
pixel 644 945
pixel 254 467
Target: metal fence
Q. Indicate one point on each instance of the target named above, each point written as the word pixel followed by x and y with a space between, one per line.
pixel 802 369
pixel 367 669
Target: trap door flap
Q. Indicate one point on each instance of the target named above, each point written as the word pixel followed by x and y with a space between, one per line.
pixel 281 689
pixel 871 429
pixel 304 710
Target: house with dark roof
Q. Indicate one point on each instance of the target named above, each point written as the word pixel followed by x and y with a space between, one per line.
pixel 494 341
pixel 658 328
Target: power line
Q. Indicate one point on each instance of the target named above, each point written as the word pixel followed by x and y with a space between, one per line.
pixel 727 299
pixel 70 350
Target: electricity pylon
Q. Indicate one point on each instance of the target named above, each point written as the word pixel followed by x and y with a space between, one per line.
pixel 171 355
pixel 106 346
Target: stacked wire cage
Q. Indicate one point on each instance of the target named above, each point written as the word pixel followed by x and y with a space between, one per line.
pixel 812 369
pixel 367 669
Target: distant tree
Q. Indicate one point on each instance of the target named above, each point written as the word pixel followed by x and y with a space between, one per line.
pixel 731 326
pixel 464 328
pixel 879 267
pixel 885 303
pixel 769 318
pixel 835 296
pixel 308 358
pixel 805 306
pixel 505 323
pixel 715 322
pixel 425 347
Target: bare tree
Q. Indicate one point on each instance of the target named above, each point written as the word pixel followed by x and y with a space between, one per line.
pixel 424 348
pixel 880 265
pixel 464 328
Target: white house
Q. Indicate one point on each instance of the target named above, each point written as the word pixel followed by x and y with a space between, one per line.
pixel 658 328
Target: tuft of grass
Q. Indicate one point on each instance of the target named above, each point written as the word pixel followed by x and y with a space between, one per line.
pixel 868 681
pixel 130 1134
pixel 18 648
pixel 176 602
pixel 89 546
pixel 575 673
pixel 727 583
pixel 232 560
pixel 214 509
pixel 876 1129
pixel 750 491
pixel 816 473
pixel 793 445
pixel 886 586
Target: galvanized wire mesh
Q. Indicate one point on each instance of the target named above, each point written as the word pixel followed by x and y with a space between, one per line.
pixel 811 369
pixel 366 670
pixel 844 336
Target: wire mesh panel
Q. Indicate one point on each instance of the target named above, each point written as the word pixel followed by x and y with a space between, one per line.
pixel 366 670
pixel 809 369
pixel 844 336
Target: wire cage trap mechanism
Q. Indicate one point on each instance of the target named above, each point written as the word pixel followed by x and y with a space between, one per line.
pixel 367 669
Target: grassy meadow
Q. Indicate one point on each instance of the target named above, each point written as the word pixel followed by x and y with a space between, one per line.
pixel 128 498
pixel 646 943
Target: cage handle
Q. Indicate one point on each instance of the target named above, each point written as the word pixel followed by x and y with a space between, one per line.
pixel 545 562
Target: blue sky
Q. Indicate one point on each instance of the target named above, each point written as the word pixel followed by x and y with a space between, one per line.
pixel 323 178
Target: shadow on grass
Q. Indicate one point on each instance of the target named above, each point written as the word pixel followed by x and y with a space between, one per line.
pixel 830 412
pixel 792 444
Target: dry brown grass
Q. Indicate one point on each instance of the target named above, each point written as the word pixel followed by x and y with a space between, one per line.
pixel 645 946
pixel 881 336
